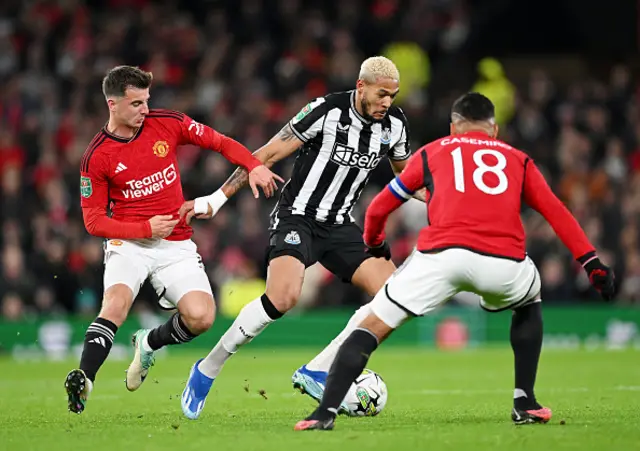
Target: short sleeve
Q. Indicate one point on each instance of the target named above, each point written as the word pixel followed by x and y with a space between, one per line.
pixel 308 122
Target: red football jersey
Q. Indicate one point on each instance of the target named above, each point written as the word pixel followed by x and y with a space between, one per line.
pixel 139 178
pixel 475 187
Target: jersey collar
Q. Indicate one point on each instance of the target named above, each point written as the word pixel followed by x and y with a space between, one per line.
pixel 120 139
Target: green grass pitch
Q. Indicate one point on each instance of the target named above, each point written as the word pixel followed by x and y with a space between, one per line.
pixel 437 400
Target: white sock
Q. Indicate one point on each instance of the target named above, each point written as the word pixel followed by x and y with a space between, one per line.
pixel 323 361
pixel 251 320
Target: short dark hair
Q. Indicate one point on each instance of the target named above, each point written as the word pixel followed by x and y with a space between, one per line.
pixel 118 79
pixel 474 107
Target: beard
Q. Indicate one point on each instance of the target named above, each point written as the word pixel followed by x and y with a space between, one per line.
pixel 365 111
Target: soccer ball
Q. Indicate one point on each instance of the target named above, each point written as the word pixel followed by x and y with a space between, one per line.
pixel 367 396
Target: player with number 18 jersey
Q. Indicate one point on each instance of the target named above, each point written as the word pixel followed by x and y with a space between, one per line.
pixel 476 186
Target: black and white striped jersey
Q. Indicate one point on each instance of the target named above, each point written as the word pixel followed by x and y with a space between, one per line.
pixel 340 150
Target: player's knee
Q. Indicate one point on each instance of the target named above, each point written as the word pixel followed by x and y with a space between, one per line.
pixel 114 310
pixel 115 305
pixel 284 282
pixel 529 311
pixel 197 313
pixel 372 274
pixel 284 297
pixel 199 325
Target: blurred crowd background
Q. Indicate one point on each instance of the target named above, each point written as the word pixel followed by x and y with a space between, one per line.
pixel 246 67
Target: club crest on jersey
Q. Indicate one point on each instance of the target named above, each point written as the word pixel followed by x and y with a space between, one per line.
pixel 161 149
pixel 86 188
pixel 292 238
pixel 385 136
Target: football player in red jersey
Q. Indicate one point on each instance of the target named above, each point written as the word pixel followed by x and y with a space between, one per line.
pixel 130 195
pixel 475 242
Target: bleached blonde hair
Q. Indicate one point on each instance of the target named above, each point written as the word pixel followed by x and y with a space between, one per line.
pixel 378 67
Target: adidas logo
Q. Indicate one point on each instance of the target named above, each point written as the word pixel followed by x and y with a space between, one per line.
pixel 121 167
pixel 100 341
pixel 292 238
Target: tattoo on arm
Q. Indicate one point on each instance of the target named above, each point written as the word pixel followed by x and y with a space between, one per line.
pixel 285 134
pixel 240 177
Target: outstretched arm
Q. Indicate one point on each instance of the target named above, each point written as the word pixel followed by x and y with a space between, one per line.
pixel 201 135
pixel 303 127
pixel 283 144
pixel 539 196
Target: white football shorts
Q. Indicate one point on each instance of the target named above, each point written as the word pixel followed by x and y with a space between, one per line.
pixel 427 281
pixel 174 268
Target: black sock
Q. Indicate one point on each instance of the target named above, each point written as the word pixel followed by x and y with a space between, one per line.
pixel 173 332
pixel 269 308
pixel 97 344
pixel 526 342
pixel 347 366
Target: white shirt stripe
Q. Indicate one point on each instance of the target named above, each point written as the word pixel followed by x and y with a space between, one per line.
pixel 313 178
pixel 340 160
